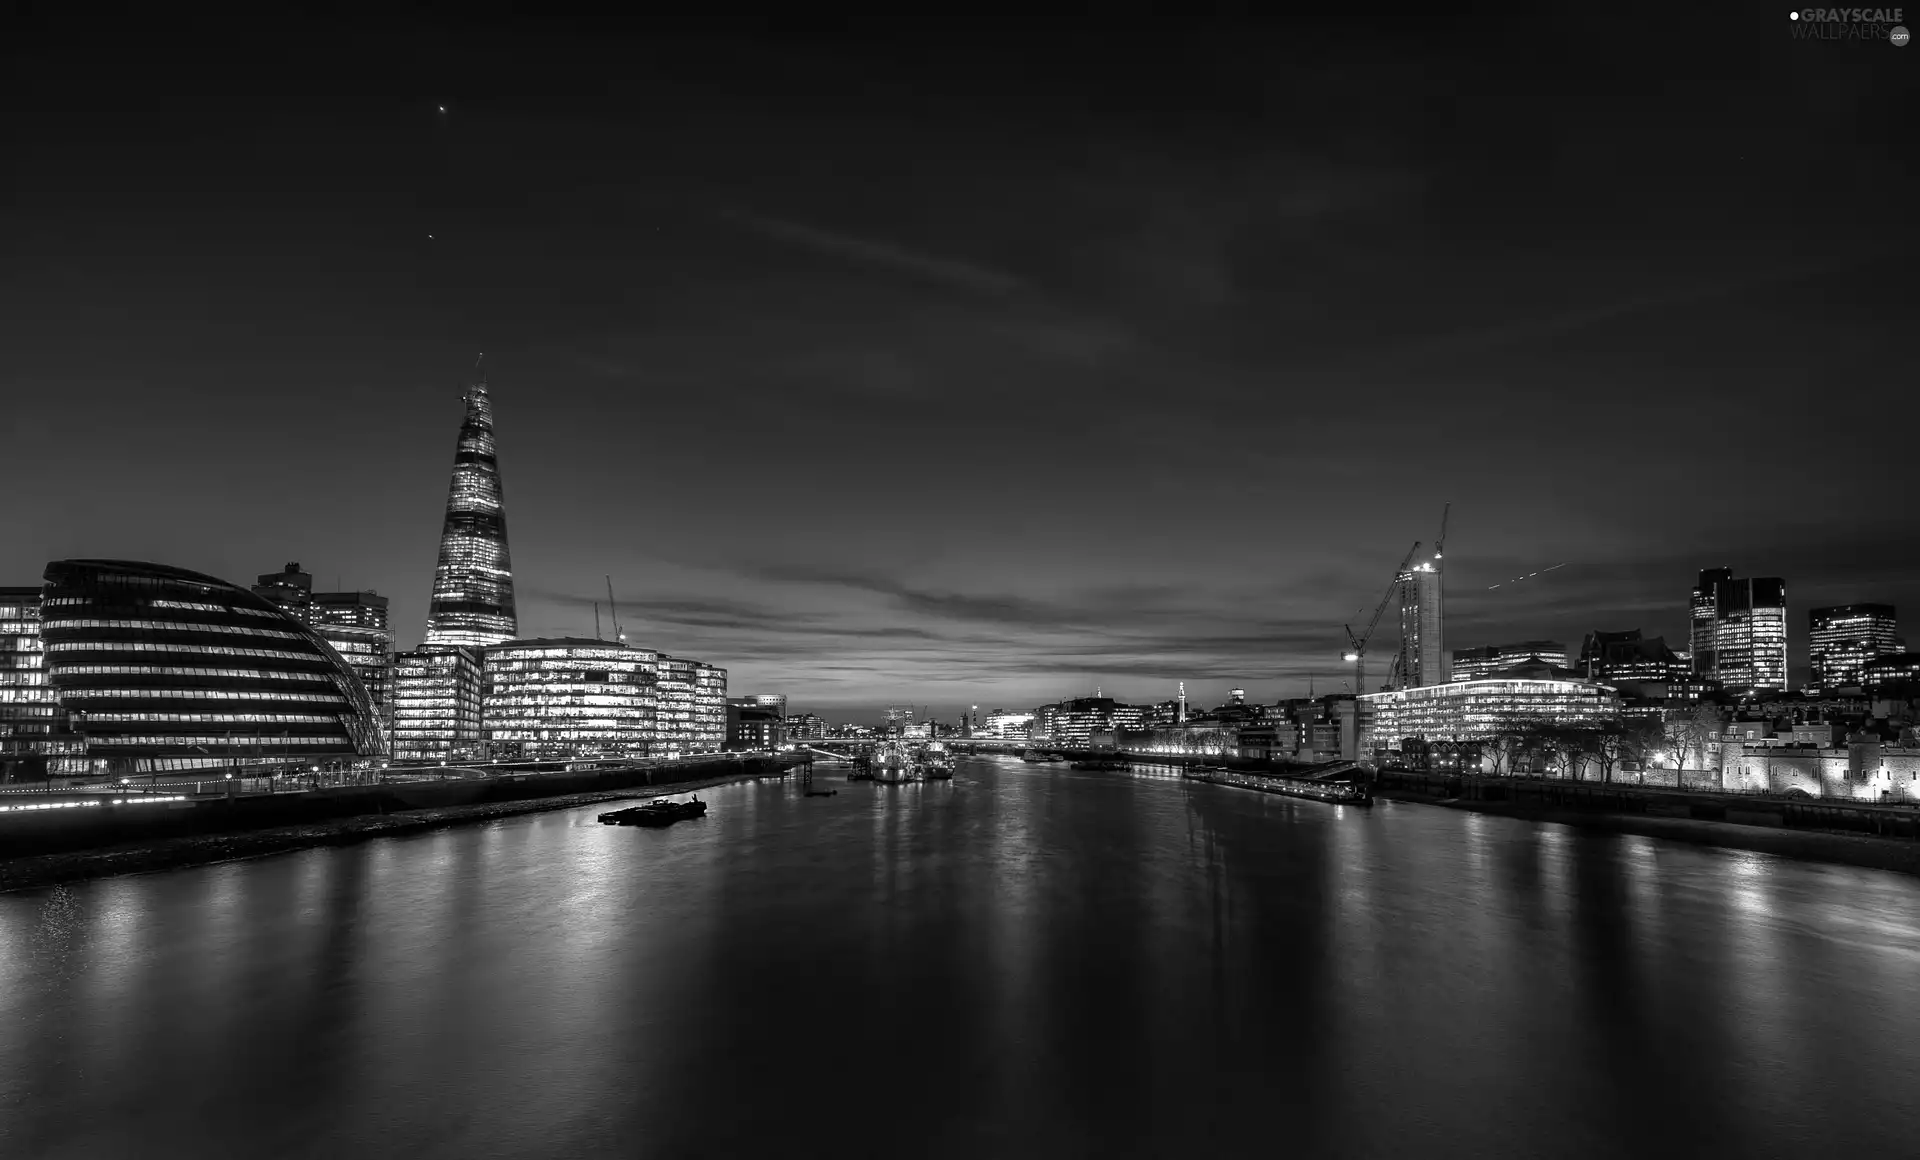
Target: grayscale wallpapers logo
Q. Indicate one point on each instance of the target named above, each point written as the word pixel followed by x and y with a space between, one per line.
pixel 1850 24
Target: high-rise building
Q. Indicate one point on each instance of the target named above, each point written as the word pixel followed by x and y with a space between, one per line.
pixel 369 653
pixel 561 698
pixel 1750 634
pixel 1473 664
pixel 437 705
pixel 1703 612
pixel 1423 638
pixel 1070 723
pixel 1841 640
pixel 36 737
pixel 162 669
pixel 473 582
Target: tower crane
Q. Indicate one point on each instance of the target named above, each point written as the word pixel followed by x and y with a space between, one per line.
pixel 1442 541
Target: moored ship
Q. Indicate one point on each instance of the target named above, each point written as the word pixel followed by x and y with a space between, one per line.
pixel 655 813
pixel 935 762
pixel 892 763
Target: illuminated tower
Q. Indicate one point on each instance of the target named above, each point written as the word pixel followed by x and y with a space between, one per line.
pixel 1423 641
pixel 473 582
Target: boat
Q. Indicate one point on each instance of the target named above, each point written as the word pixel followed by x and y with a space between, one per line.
pixel 1035 757
pixel 935 762
pixel 1318 789
pixel 892 763
pixel 656 813
pixel 1100 763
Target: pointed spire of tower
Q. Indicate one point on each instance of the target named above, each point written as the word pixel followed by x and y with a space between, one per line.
pixel 473 581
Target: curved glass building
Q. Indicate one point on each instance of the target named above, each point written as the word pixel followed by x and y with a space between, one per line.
pixel 163 669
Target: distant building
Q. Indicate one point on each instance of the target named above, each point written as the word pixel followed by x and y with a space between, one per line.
pixel 166 670
pixel 753 725
pixel 351 609
pixel 1895 674
pixel 806 727
pixel 36 736
pixel 1009 726
pixel 775 701
pixel 568 697
pixel 1841 640
pixel 1616 657
pixel 1070 723
pixel 354 623
pixel 1473 664
pixel 437 705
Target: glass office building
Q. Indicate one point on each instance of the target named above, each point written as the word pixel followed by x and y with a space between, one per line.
pixel 673 707
pixel 36 740
pixel 709 708
pixel 1841 640
pixel 472 604
pixel 1480 710
pixel 1750 635
pixel 568 697
pixel 436 705
pixel 162 669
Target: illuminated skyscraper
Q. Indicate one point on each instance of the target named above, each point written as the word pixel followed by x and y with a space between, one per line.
pixel 1702 607
pixel 473 582
pixel 1842 640
pixel 569 697
pixel 1750 634
pixel 1423 637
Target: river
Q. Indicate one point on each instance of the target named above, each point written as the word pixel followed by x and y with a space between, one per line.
pixel 1024 961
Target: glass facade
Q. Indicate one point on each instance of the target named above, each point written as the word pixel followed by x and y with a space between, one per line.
pixel 709 708
pixel 36 739
pixel 163 669
pixel 369 653
pixel 569 698
pixel 1842 640
pixel 1750 635
pixel 472 602
pixel 1480 710
pixel 1620 657
pixel 673 707
pixel 1703 609
pixel 436 705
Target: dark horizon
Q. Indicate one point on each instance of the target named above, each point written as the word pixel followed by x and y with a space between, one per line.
pixel 975 368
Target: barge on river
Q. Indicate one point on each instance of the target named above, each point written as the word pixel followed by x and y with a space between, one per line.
pixel 1345 793
pixel 656 813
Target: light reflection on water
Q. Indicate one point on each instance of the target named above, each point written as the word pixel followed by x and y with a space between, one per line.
pixel 1027 960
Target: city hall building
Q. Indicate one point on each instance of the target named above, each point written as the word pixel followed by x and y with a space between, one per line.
pixel 161 669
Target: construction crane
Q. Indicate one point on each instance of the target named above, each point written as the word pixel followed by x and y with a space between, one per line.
pixel 1357 645
pixel 1441 543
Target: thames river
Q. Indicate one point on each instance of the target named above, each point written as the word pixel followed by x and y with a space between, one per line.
pixel 1024 961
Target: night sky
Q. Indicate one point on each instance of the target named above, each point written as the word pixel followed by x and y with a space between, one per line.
pixel 958 360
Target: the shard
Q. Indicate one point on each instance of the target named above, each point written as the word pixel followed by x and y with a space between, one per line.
pixel 473 582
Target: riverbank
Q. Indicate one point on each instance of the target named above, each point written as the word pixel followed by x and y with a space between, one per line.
pixel 1896 854
pixel 144 857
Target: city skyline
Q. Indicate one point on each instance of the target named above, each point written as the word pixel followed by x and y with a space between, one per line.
pixel 873 405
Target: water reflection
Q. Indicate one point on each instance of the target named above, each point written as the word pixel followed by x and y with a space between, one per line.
pixel 1026 960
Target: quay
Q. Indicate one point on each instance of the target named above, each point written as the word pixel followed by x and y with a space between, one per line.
pixel 70 821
